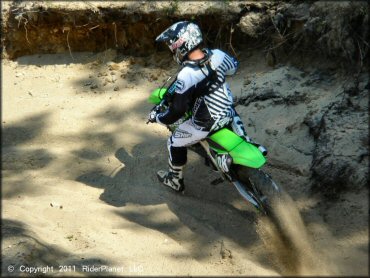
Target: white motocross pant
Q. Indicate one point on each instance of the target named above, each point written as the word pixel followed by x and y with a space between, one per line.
pixel 186 134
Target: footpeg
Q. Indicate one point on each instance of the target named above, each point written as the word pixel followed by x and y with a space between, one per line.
pixel 217 181
pixel 210 164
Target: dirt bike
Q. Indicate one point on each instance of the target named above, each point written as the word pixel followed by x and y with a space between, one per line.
pixel 234 158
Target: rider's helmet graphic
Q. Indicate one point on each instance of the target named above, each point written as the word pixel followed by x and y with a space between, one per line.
pixel 181 37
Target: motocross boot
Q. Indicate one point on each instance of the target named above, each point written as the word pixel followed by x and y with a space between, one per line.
pixel 172 178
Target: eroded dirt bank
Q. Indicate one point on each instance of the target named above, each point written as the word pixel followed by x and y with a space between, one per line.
pixel 337 30
pixel 79 163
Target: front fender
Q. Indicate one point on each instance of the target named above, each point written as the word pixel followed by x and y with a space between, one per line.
pixel 157 95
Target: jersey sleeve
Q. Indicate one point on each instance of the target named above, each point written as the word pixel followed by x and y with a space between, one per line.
pixel 181 96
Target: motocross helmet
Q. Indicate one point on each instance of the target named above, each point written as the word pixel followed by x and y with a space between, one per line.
pixel 181 37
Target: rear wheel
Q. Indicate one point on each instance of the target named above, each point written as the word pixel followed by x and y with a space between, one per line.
pixel 271 198
pixel 263 186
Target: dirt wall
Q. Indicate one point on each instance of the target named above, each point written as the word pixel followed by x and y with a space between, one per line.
pixel 42 28
pixel 337 31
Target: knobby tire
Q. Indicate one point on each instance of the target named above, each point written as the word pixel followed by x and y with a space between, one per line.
pixel 258 180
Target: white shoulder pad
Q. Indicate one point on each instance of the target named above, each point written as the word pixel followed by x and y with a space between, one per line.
pixel 217 58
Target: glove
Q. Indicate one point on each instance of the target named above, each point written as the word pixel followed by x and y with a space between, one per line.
pixel 152 118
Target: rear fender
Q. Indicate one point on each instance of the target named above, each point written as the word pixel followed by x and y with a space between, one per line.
pixel 242 152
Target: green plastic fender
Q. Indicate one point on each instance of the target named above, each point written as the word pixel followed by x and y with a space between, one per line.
pixel 157 95
pixel 242 152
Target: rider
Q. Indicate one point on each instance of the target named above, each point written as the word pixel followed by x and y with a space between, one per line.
pixel 199 87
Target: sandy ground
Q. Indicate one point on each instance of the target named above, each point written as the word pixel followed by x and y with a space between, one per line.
pixel 79 187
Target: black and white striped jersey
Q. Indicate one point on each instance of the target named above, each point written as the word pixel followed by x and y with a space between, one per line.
pixel 202 87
